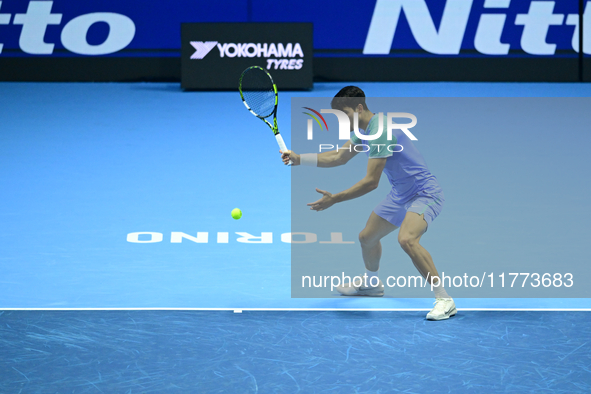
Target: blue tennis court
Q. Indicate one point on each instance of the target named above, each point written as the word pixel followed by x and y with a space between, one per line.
pixel 100 293
pixel 290 352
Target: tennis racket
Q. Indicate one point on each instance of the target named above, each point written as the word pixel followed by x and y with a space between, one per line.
pixel 259 95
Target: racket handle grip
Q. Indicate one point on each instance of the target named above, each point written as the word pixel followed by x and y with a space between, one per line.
pixel 282 146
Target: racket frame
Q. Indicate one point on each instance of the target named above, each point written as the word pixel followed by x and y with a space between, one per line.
pixel 274 127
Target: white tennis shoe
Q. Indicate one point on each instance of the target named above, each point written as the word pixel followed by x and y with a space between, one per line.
pixel 444 309
pixel 371 291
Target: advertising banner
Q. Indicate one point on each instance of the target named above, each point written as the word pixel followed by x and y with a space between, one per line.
pixel 381 40
pixel 214 54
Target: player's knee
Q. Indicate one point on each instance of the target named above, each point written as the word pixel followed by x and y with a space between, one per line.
pixel 366 238
pixel 406 241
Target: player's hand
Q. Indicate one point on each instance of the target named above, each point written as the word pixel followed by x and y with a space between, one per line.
pixel 289 155
pixel 325 202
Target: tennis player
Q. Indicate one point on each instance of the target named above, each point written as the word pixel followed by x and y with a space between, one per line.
pixel 415 200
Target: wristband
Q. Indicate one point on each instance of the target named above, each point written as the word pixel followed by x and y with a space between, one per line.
pixel 309 159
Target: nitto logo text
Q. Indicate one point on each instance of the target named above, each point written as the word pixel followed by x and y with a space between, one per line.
pixel 447 39
pixel 38 16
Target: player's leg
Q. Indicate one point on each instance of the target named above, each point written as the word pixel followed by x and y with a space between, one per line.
pixel 412 229
pixel 375 229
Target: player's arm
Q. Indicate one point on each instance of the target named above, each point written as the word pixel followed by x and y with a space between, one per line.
pixel 368 183
pixel 336 158
pixel 333 158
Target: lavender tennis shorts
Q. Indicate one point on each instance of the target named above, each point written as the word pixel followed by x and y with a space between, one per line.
pixel 429 205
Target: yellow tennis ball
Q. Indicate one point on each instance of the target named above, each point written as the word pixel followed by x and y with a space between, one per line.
pixel 236 213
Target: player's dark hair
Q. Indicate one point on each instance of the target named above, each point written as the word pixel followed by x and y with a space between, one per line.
pixel 349 96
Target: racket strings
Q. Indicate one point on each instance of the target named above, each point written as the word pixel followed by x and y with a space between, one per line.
pixel 257 90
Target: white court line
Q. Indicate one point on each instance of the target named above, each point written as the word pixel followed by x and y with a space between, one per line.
pixel 307 309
